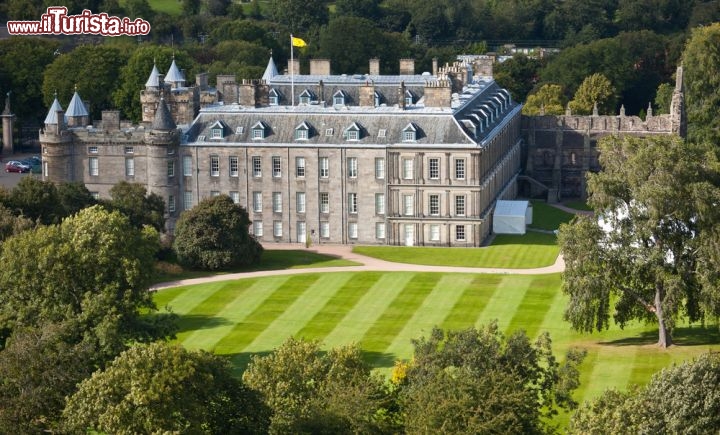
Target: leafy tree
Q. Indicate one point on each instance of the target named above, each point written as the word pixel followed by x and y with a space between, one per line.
pixel 310 391
pixel 11 224
pixel 139 9
pixel 663 97
pixel 132 200
pixel 162 388
pixel 548 99
pixel 657 199
pixel 93 69
pixel 37 200
pixel 350 54
pixel 299 15
pixel 90 272
pixel 214 235
pixel 22 62
pixel 479 381
pixel 190 7
pixel 369 9
pixel 39 368
pixel 74 196
pixel 701 61
pixel 595 91
pixel 662 16
pixel 680 399
pixel 518 75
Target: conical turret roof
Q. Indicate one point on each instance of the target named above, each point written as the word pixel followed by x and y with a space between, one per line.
pixel 51 117
pixel 76 107
pixel 163 119
pixel 174 75
pixel 154 79
pixel 270 71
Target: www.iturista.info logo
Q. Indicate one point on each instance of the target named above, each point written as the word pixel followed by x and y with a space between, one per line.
pixel 57 22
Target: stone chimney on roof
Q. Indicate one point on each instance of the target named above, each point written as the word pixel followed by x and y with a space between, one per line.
pixel 407 67
pixel 294 67
pixel 374 66
pixel 320 67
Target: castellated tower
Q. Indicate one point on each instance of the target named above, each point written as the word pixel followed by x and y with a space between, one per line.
pixel 57 150
pixel 183 101
pixel 162 140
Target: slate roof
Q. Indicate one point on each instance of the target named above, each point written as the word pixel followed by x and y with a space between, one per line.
pixel 270 71
pixel 76 107
pixel 154 79
pixel 174 75
pixel 163 119
pixel 51 117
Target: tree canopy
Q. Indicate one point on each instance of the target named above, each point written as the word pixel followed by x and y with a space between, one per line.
pixel 595 92
pixel 480 381
pixel 701 62
pixel 214 235
pixel 141 208
pixel 680 399
pixel 162 388
pixel 656 237
pixel 548 100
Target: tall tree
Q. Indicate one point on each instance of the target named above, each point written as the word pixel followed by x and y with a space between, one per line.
pixel 299 16
pixel 680 399
pixel 74 196
pixel 310 391
pixel 142 208
pixel 596 91
pixel 480 381
pixel 162 388
pixel 549 99
pixel 518 75
pixel 37 200
pixel 657 199
pixel 350 54
pixel 214 235
pixel 91 271
pixel 701 61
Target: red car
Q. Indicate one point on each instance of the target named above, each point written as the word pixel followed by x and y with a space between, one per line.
pixel 15 166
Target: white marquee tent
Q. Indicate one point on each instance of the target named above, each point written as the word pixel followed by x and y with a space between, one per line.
pixel 511 217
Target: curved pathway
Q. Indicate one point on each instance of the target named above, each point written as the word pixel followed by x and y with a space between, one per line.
pixel 367 264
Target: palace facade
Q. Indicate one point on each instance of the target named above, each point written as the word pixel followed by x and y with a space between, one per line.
pixel 407 159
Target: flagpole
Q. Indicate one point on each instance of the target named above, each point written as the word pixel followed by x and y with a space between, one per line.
pixel 292 73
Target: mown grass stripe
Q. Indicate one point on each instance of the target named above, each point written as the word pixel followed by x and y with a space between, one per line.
pixel 368 309
pixel 614 372
pixel 646 363
pixel 187 299
pixel 338 306
pixel 264 314
pixel 433 311
pixel 235 311
pixel 534 306
pixel 297 315
pixel 473 300
pixel 379 337
pixel 504 302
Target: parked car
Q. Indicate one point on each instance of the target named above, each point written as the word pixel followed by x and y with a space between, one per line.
pixel 15 166
pixel 35 164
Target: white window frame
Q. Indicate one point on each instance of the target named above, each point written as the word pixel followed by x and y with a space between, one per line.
pixel 276 167
pixel 434 204
pixel 301 231
pixel 352 167
pixel 277 229
pixel 92 150
pixel 129 167
pixel 257 203
pixel 171 204
pixel 214 165
pixel 187 166
pixel 434 235
pixel 380 203
pixel 93 166
pixel 324 202
pixel 214 193
pixel 129 150
pixel 460 205
pixel 408 136
pixel 300 167
pixel 460 234
pixel 234 165
pixel 216 133
pixel 380 230
pixel 171 168
pixel 324 167
pixel 324 229
pixel 277 202
pixel 257 228
pixel 257 166
pixel 408 205
pixel 460 169
pixel 300 202
pixel 187 200
pixel 352 203
pixel 434 168
pixel 301 133
pixel 379 168
pixel 408 168
pixel 235 196
pixel 353 230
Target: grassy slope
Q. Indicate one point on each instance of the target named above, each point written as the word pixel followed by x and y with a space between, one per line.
pixel 384 311
pixel 507 251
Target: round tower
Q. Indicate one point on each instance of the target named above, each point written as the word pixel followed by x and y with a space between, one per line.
pixel 56 144
pixel 162 140
pixel 8 121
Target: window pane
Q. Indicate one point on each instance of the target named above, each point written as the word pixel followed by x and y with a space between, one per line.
pixel 379 203
pixel 408 169
pixel 93 166
pixel 380 230
pixel 187 166
pixel 324 167
pixel 257 166
pixel 257 202
pixel 434 205
pixel 353 230
pixel 352 203
pixel 408 209
pixel 276 167
pixel 130 167
pixel 434 167
pixel 234 166
pixel 277 202
pixel 277 228
pixel 300 202
pixel 235 196
pixel 435 233
pixel 460 232
pixel 324 229
pixel 187 200
pixel 460 169
pixel 258 228
pixel 214 166
pixel 170 168
pixel 324 202
pixel 460 205
pixel 352 167
pixel 300 166
pixel 380 168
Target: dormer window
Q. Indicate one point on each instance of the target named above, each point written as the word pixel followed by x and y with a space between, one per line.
pixel 377 98
pixel 274 97
pixel 217 130
pixel 409 98
pixel 409 133
pixel 306 97
pixel 352 132
pixel 339 98
pixel 302 131
pixel 259 130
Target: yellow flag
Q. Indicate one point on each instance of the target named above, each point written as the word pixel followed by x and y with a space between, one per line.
pixel 297 42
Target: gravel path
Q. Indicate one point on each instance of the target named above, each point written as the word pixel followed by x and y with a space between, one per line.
pixel 367 264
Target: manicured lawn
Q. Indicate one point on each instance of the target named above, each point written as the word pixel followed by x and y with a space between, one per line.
pixel 578 205
pixel 547 217
pixel 171 7
pixel 270 260
pixel 507 251
pixel 384 311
